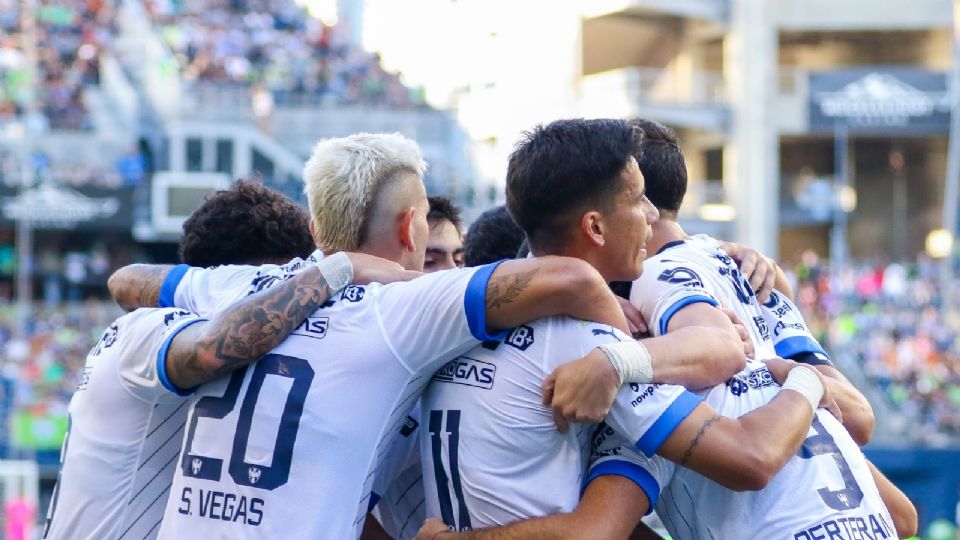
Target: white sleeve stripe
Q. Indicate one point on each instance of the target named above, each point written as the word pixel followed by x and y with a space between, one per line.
pixel 162 360
pixel 664 426
pixel 631 471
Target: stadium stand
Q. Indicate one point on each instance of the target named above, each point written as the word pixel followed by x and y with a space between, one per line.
pixel 274 46
pixel 890 320
pixel 69 36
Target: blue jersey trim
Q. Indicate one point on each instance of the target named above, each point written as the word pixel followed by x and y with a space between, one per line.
pixel 170 284
pixel 475 304
pixel 162 360
pixel 792 346
pixel 630 471
pixel 675 414
pixel 669 245
pixel 680 304
pixel 374 499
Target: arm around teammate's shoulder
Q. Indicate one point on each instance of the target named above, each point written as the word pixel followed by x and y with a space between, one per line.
pixel 745 453
pixel 245 331
pixel 524 290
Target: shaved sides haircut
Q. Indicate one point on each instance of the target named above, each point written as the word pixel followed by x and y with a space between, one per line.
pixel 343 178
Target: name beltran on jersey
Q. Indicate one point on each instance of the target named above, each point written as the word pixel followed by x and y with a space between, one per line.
pixel 874 527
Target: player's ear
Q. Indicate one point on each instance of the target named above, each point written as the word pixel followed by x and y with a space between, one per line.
pixel 406 230
pixel 591 226
pixel 313 231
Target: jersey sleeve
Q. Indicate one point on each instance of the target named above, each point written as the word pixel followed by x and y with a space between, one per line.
pixel 644 414
pixel 436 315
pixel 206 290
pixel 142 365
pixel 665 287
pixel 612 455
pixel 791 336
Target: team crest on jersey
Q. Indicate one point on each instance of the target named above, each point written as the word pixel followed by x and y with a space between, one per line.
pixel 195 466
pixel 313 327
pixel 681 275
pixel 410 425
pixel 468 372
pixel 520 338
pixel 352 293
pixel 254 474
pixel 174 315
pixel 605 332
pixel 107 340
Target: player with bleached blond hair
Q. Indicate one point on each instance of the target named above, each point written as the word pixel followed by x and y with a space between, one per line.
pixel 290 447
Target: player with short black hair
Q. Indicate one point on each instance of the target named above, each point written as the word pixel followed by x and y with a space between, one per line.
pixel 494 236
pixel 546 185
pixel 445 244
pixel 495 457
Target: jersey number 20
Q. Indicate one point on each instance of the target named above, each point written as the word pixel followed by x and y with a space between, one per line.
pixel 250 474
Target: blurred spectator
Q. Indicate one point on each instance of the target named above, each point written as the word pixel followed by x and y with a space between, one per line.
pixel 892 320
pixel 70 34
pixel 276 46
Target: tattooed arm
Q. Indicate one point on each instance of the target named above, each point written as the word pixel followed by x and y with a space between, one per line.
pixel 137 285
pixel 244 332
pixel 525 290
pixel 742 454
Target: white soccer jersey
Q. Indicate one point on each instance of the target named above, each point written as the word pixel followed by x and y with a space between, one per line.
pixel 126 424
pixel 290 449
pixel 789 331
pixel 400 506
pixel 826 491
pixel 697 270
pixel 491 451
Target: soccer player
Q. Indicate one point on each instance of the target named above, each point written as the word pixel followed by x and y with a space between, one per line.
pixel 492 237
pixel 291 446
pixel 490 453
pixel 684 276
pixel 445 245
pixel 687 274
pixel 127 415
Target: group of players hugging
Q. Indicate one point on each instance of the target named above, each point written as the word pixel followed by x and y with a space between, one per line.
pixel 300 377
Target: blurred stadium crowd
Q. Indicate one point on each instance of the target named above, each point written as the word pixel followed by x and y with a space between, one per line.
pixel 252 44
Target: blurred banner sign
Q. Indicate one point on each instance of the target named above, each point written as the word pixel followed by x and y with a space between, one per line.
pixel 60 207
pixel 880 100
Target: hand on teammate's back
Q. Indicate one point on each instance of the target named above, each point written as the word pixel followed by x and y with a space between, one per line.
pixel 757 268
pixel 745 338
pixel 582 390
pixel 370 269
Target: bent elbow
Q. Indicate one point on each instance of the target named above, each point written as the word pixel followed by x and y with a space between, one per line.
pixel 752 479
pixel 906 522
pixel 118 285
pixel 862 431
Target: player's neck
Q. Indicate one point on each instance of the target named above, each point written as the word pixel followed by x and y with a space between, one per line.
pixel 665 230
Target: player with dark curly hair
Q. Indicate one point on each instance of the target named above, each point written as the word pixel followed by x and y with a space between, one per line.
pixel 445 245
pixel 247 223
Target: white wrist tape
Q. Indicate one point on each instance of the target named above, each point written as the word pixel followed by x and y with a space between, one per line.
pixel 804 380
pixel 337 270
pixel 631 360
